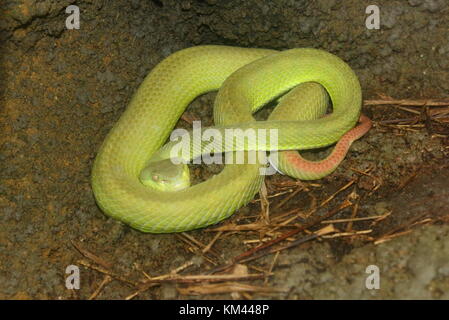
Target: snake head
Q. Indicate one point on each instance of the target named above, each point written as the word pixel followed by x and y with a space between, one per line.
pixel 164 175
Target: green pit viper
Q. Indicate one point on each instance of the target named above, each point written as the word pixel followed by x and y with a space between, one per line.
pixel 133 155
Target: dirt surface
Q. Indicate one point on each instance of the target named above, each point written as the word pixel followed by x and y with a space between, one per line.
pixel 62 91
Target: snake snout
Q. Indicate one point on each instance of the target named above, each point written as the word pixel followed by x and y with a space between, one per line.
pixel 165 175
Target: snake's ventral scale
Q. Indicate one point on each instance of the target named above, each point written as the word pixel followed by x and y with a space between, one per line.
pixel 247 79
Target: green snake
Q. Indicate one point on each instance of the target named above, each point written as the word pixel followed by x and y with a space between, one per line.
pixel 247 79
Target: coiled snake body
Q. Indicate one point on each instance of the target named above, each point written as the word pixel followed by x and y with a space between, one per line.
pixel 253 78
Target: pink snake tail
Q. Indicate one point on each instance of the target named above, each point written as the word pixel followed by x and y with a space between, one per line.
pixel 294 164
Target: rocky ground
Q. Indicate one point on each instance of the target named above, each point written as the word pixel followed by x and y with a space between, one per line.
pixel 62 91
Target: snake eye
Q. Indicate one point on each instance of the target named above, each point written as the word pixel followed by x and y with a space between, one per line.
pixel 155 177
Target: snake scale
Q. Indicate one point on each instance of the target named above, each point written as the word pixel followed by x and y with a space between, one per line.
pixel 247 80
